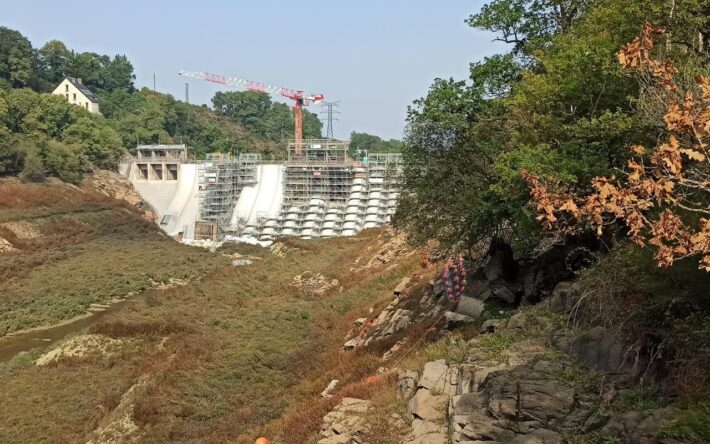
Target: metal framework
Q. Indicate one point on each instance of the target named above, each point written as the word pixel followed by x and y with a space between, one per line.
pixel 221 179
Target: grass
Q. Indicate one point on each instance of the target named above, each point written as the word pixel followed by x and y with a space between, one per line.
pixel 234 355
pixel 91 252
pixel 690 422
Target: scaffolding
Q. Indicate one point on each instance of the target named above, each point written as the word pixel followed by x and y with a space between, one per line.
pixel 221 178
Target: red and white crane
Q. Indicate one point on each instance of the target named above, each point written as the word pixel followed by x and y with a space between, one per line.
pixel 301 99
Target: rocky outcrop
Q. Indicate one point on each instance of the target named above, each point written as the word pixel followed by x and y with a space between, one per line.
pixel 313 284
pixel 114 185
pixel 346 423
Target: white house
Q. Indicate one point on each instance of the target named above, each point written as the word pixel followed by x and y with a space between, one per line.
pixel 77 94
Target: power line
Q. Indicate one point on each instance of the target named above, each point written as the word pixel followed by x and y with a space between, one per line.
pixel 330 116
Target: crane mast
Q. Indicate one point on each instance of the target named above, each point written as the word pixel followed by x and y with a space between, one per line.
pixel 300 99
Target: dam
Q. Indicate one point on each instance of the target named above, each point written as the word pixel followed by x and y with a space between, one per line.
pixel 319 191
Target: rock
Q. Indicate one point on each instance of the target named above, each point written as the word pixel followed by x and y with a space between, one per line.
pixel 352 344
pixel 421 427
pixel 434 438
pixel 542 400
pixel 469 307
pixel 481 427
pixel 456 319
pixel 500 264
pixel 500 290
pixel 327 393
pixel 468 403
pixel 563 298
pixel 407 383
pixel 394 349
pixel 600 350
pixel 360 321
pixel 426 406
pixel 402 286
pixel 541 436
pixel 522 352
pixel 439 377
pixel 492 325
pixel 7 247
pixel 345 424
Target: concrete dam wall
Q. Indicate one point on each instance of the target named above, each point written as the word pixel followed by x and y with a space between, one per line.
pixel 318 192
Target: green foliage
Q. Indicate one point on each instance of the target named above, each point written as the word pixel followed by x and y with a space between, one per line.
pixel 33 168
pixel 373 144
pixel 72 141
pixel 691 423
pixel 263 117
pixel 557 105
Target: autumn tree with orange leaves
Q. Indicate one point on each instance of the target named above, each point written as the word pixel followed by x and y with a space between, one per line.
pixel 664 197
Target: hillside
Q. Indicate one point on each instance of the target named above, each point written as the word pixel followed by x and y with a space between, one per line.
pixel 199 347
pixel 43 135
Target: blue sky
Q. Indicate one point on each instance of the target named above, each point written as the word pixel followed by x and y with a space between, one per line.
pixel 375 57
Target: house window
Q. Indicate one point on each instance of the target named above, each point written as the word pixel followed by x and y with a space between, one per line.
pixel 74 96
pixel 67 94
pixel 66 88
pixel 86 104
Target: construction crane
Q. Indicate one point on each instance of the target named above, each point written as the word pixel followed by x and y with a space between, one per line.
pixel 299 97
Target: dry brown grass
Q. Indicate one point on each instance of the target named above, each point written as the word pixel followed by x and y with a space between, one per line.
pixel 118 328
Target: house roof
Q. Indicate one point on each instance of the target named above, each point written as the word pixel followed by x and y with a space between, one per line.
pixel 84 90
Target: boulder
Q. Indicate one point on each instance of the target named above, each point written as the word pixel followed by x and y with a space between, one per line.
pixel 468 306
pixel 599 349
pixel 425 405
pixel 541 436
pixel 455 319
pixel 407 383
pixel 328 392
pixel 440 377
pixel 492 325
pixel 402 286
pixel 563 298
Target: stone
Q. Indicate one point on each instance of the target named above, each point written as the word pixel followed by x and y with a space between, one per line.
pixel 541 400
pixel 394 349
pixel 427 406
pixel 500 290
pixel 468 403
pixel 407 383
pixel 469 307
pixel 439 377
pixel 500 263
pixel 492 325
pixel 360 321
pixel 564 297
pixel 402 286
pixel 541 436
pixel 522 352
pixel 421 427
pixel 328 392
pixel 456 319
pixel 600 350
pixel 345 424
pixel 352 344
pixel 484 428
pixel 434 438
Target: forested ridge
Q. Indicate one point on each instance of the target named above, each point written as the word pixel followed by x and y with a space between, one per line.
pixel 42 134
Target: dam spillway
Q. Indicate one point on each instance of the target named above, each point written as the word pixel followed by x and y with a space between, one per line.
pixel 320 191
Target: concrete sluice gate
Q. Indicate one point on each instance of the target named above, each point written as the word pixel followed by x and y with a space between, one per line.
pixel 318 192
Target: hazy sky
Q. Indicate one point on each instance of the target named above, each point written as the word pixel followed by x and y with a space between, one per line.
pixel 374 56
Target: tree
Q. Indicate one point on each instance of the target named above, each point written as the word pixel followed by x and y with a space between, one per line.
pixel 16 57
pixel 246 107
pixel 55 58
pixel 664 200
